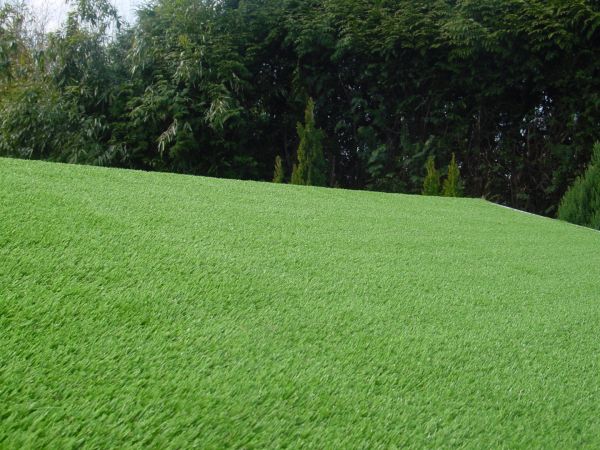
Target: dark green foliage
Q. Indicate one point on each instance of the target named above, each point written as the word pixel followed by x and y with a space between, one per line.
pixel 453 183
pixel 581 203
pixel 11 19
pixel 431 183
pixel 216 88
pixel 310 169
pixel 279 172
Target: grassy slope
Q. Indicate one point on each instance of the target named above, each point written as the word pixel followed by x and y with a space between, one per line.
pixel 167 310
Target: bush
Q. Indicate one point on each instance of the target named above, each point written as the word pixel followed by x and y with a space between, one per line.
pixel 31 123
pixel 581 203
pixel 37 122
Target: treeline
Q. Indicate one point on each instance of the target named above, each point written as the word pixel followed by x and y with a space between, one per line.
pixel 510 87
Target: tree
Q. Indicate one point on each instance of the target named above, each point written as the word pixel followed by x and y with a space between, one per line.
pixel 431 183
pixel 581 203
pixel 216 88
pixel 21 39
pixel 279 174
pixel 453 183
pixel 310 169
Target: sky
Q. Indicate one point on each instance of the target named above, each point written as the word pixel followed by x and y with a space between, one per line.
pixel 55 10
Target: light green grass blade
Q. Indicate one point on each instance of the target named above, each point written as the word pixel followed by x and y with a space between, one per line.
pixel 158 310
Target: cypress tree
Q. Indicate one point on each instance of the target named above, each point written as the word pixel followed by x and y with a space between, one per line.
pixel 452 183
pixel 431 183
pixel 279 173
pixel 310 169
pixel 294 178
pixel 581 203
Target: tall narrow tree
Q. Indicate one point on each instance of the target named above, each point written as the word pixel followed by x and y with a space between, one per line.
pixel 279 173
pixel 453 183
pixel 431 183
pixel 310 169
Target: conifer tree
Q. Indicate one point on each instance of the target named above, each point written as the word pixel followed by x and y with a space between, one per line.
pixel 581 203
pixel 453 183
pixel 431 183
pixel 279 173
pixel 310 169
pixel 294 179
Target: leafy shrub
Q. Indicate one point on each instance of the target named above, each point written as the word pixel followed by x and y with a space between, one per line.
pixel 32 123
pixel 38 123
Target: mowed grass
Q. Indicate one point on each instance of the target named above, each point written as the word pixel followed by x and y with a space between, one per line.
pixel 168 311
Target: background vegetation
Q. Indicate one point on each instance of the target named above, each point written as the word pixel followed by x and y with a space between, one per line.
pixel 511 87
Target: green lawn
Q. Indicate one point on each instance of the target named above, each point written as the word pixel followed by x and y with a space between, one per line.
pixel 169 311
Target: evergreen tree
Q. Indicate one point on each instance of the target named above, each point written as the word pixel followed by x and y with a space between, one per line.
pixel 581 203
pixel 279 174
pixel 294 179
pixel 453 183
pixel 431 183
pixel 310 169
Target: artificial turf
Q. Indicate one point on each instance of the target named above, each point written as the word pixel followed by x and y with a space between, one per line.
pixel 158 310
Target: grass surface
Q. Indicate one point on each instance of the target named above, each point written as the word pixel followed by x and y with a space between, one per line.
pixel 159 310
